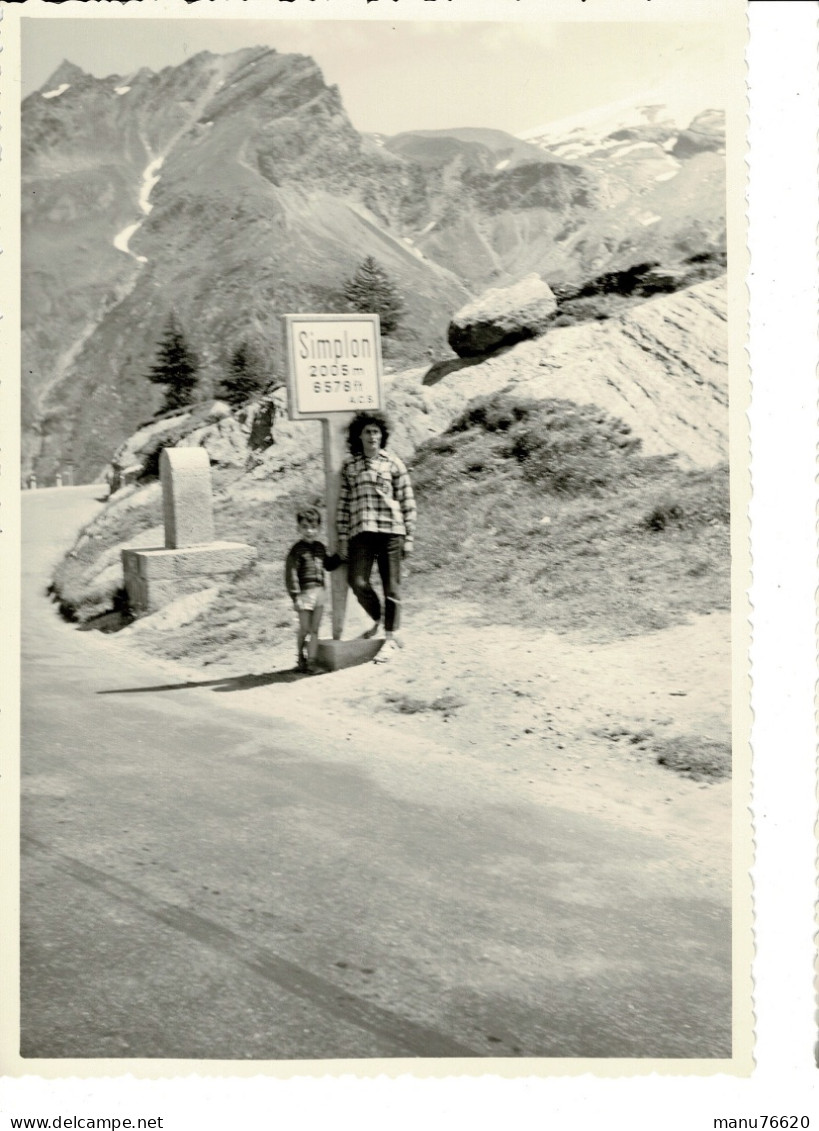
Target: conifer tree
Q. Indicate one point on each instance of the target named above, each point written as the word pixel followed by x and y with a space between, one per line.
pixel 371 291
pixel 176 367
pixel 245 376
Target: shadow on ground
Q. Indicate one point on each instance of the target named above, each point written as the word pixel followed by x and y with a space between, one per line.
pixel 225 683
pixel 442 369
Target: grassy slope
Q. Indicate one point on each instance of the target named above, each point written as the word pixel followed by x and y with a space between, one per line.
pixel 550 514
pixel 597 567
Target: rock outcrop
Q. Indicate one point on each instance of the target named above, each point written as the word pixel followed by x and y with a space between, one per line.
pixel 210 425
pixel 662 367
pixel 502 316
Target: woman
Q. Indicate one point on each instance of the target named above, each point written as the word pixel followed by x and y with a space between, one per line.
pixel 375 522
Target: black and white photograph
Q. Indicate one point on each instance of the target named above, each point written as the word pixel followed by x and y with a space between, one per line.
pixel 384 554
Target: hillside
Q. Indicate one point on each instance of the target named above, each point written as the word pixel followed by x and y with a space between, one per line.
pixel 233 189
pixel 567 606
pixel 660 369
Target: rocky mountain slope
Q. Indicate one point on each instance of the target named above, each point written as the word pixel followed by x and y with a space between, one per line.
pixel 233 189
pixel 259 208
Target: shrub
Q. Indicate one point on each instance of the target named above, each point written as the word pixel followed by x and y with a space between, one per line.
pixel 707 503
pixel 497 412
pixel 701 759
pixel 563 448
pixel 613 292
pixel 572 450
pixel 663 515
pixel 620 282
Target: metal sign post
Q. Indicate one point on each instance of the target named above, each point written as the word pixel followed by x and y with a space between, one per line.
pixel 333 371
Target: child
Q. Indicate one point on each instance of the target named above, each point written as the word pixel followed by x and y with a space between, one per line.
pixel 304 578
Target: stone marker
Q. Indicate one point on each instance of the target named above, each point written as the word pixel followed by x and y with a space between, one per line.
pixel 192 557
pixel 187 497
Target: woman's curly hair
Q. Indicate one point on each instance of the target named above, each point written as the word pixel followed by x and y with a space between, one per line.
pixel 360 422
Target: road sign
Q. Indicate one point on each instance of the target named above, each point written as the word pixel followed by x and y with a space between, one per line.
pixel 333 371
pixel 334 364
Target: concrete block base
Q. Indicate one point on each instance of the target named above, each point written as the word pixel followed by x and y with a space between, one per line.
pixel 154 578
pixel 333 655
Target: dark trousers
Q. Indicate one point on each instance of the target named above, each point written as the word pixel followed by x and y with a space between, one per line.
pixel 386 550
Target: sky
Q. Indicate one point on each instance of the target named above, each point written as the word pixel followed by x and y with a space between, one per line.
pixel 416 75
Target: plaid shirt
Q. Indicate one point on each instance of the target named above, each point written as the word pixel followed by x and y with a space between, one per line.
pixel 375 496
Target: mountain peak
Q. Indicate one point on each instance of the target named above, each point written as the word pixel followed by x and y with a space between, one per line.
pixel 67 72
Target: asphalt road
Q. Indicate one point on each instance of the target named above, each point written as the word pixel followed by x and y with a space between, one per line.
pixel 202 880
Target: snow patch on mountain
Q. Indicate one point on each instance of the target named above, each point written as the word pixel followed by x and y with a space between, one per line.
pixel 633 148
pixel 150 177
pixel 61 89
pixel 120 90
pixel 122 240
pixel 583 135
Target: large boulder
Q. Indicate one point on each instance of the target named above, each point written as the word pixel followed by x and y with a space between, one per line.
pixel 502 316
pixel 706 134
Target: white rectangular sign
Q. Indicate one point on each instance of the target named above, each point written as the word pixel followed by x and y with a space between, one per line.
pixel 334 364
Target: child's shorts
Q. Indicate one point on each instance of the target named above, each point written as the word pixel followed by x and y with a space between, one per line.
pixel 310 599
